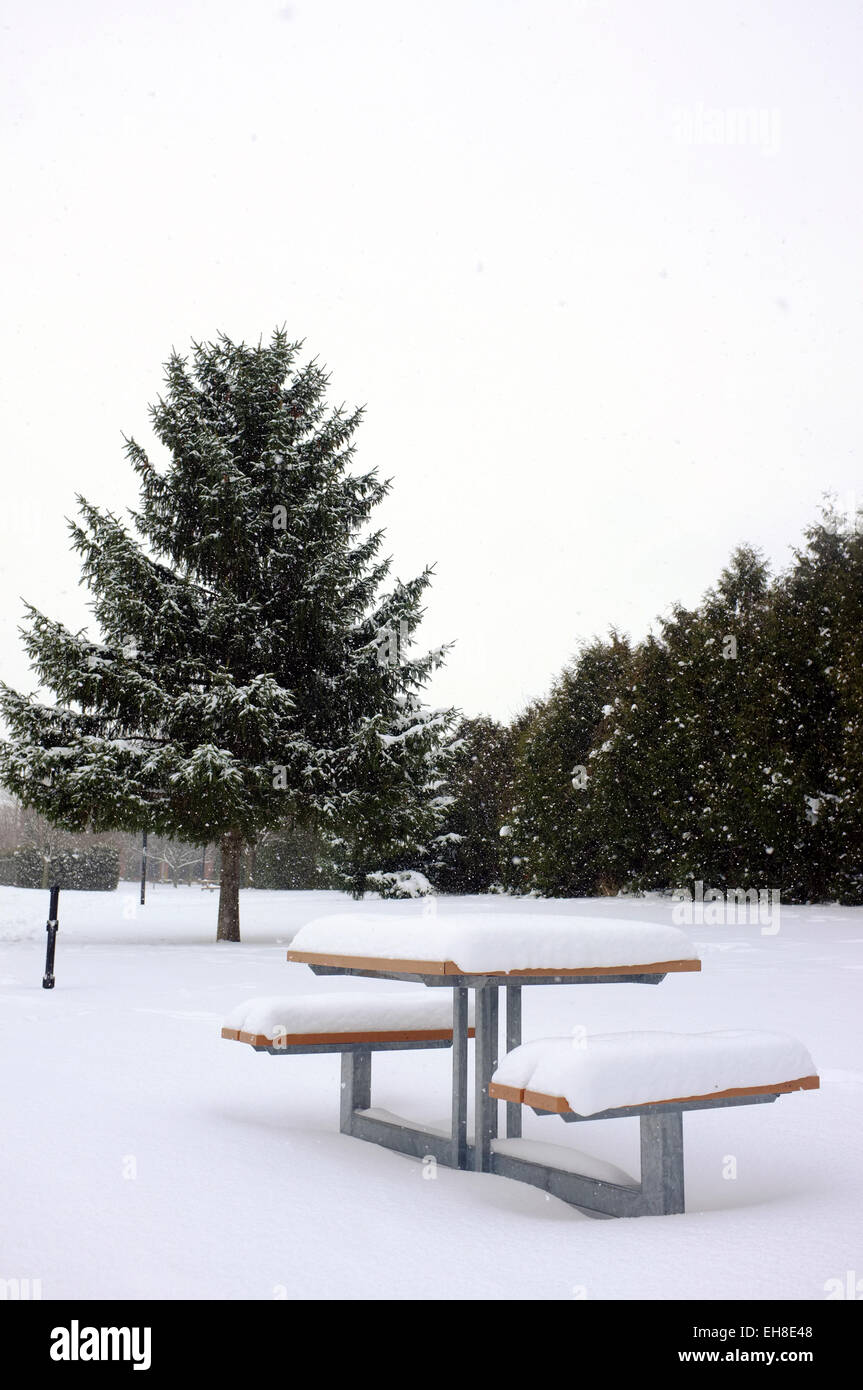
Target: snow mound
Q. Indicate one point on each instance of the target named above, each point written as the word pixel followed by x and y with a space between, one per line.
pixel 405 883
pixel 611 1070
pixel 566 1160
pixel 271 1017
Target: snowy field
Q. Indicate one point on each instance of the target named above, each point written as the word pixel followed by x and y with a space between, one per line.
pixel 145 1157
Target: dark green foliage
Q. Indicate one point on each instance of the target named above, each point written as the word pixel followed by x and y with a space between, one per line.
pixel 94 869
pixel 682 760
pixel 727 748
pixel 392 822
pixel 637 775
pixel 819 640
pixel 472 853
pixel 296 858
pixel 554 848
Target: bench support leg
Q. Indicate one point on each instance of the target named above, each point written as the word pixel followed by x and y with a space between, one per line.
pixel 356 1086
pixel 459 1078
pixel 356 1097
pixel 486 1045
pixel 513 1039
pixel 662 1164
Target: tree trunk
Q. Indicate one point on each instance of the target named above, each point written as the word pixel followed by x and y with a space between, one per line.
pixel 358 881
pixel 229 886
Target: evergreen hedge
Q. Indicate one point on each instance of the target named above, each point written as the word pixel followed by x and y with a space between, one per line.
pixel 94 870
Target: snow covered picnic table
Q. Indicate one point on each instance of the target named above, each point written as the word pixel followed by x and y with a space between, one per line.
pixel 484 953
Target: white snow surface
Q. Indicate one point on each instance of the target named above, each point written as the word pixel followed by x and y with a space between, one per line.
pixel 143 1156
pixel 570 1160
pixel 487 941
pixel 610 1070
pixel 344 1013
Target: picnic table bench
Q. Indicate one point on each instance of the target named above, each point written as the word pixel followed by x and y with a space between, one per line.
pixel 653 1076
pixel 337 1023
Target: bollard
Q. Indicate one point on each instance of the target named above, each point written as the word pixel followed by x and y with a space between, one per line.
pixel 51 928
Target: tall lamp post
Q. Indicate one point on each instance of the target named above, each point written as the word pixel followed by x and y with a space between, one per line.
pixel 143 867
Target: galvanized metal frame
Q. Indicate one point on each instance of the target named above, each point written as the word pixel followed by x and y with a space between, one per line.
pixel 670 1107
pixel 458 1130
pixel 451 1150
pixel 485 1066
pixel 275 1049
pixel 660 1191
pixel 483 981
pixel 513 1039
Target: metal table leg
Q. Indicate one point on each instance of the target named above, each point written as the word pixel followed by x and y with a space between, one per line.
pixel 513 1039
pixel 662 1163
pixel 459 1078
pixel 356 1086
pixel 486 1044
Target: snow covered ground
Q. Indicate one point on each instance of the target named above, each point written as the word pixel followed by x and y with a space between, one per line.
pixel 145 1157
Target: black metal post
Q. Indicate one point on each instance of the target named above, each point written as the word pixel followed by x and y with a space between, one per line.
pixel 143 868
pixel 51 928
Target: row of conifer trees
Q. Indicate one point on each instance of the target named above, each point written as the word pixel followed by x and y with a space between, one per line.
pixel 726 747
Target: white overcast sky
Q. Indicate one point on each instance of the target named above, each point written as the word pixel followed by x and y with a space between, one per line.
pixel 593 267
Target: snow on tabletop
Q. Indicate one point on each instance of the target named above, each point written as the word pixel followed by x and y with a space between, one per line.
pixel 486 941
pixel 607 1071
pixel 271 1017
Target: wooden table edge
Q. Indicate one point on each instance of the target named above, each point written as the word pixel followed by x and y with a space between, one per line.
pixel 448 967
pixel 354 1036
pixel 559 1105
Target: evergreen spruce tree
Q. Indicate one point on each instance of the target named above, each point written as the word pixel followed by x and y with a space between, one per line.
pixel 393 820
pixel 687 773
pixel 846 772
pixel 639 776
pixel 249 670
pixel 749 814
pixel 479 783
pixel 819 644
pixel 722 701
pixel 554 841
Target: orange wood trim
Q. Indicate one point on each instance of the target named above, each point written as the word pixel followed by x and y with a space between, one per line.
pixel 310 1039
pixel 448 967
pixel 514 1094
pixel 414 967
pixel 560 1106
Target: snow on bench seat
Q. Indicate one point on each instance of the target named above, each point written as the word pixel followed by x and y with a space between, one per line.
pixel 612 1071
pixel 488 943
pixel 312 1020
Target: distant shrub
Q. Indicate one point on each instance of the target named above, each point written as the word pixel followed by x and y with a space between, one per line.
pixel 296 860
pixel 88 870
pixel 406 883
